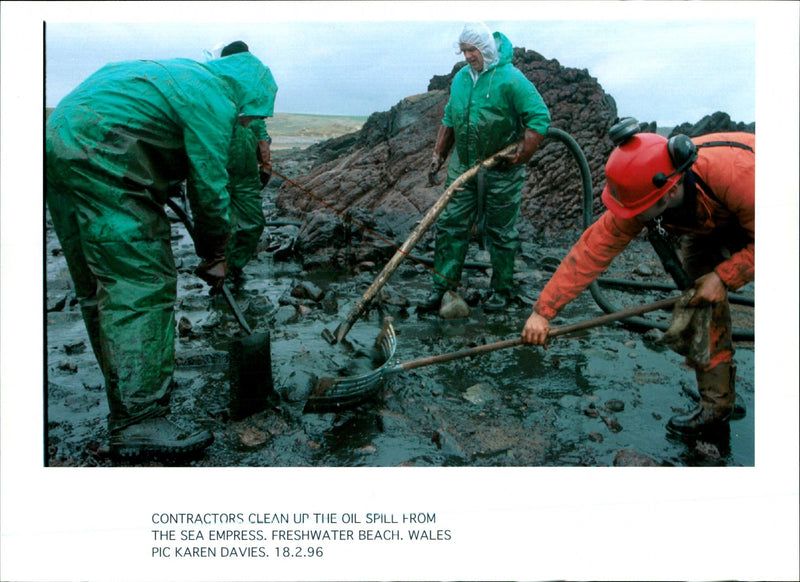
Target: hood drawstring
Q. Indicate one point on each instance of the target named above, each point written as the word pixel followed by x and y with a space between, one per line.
pixel 489 88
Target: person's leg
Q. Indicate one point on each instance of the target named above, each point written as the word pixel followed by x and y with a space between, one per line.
pixel 503 202
pixel 117 245
pixel 247 225
pixel 246 211
pixel 452 243
pixel 716 380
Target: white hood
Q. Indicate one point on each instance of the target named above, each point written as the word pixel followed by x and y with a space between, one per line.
pixel 478 35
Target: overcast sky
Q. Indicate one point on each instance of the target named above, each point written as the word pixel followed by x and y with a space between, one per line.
pixel 666 65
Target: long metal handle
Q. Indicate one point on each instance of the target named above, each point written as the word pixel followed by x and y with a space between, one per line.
pixel 555 332
pixel 226 291
pixel 402 252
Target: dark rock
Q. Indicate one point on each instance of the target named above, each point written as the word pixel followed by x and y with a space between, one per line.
pixel 184 327
pixel 366 266
pixel 56 304
pixel 307 290
pixel 446 442
pixel 285 314
pixel 708 450
pixel 330 305
pixel 612 423
pixel 260 305
pixel 376 177
pixel 716 122
pixel 631 458
pixel 75 348
pixel 188 358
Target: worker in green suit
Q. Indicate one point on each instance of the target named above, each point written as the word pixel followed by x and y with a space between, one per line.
pixel 114 146
pixel 248 172
pixel 492 105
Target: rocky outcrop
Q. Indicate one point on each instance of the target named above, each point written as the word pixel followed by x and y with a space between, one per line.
pixel 359 194
pixel 713 123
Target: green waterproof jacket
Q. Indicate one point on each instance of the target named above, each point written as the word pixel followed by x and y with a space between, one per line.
pixel 152 123
pixel 492 112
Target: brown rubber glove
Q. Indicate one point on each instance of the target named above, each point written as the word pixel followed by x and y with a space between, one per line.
pixel 445 139
pixel 524 153
pixel 436 163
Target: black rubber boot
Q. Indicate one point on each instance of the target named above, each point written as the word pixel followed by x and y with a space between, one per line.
pixel 717 396
pixel 158 437
pixel 431 303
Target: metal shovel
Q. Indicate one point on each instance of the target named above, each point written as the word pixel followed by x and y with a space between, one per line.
pixel 334 393
pixel 249 358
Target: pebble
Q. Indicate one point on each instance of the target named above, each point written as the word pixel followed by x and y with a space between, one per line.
pixel 612 424
pixel 75 348
pixel 285 314
pixel 478 394
pixel 252 437
pixel 453 307
pixel 69 367
pixel 307 290
pixel 708 450
pixel 184 327
pixel 631 458
pixel 653 335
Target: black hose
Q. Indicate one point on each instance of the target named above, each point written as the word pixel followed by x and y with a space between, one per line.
pixel 594 288
pixel 735 298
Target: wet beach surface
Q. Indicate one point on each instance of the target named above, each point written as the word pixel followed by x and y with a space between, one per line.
pixel 600 397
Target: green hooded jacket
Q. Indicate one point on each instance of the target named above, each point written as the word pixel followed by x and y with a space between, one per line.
pixel 492 112
pixel 152 123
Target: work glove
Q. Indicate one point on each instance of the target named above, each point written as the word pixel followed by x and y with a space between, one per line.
pixel 505 162
pixel 525 150
pixel 436 164
pixel 213 268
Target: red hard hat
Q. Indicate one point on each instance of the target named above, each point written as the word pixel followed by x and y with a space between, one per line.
pixel 629 174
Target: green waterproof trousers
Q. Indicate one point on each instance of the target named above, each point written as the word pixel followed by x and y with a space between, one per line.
pixel 244 187
pixel 116 240
pixel 501 207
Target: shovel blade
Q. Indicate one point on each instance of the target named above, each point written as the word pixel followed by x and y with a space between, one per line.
pixel 251 387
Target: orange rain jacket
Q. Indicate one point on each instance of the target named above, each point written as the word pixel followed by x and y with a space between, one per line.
pixel 729 172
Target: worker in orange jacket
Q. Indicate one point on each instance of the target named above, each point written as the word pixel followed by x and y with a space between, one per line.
pixel 702 189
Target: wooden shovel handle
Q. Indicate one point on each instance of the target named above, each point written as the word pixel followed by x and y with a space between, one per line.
pixel 402 252
pixel 555 332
